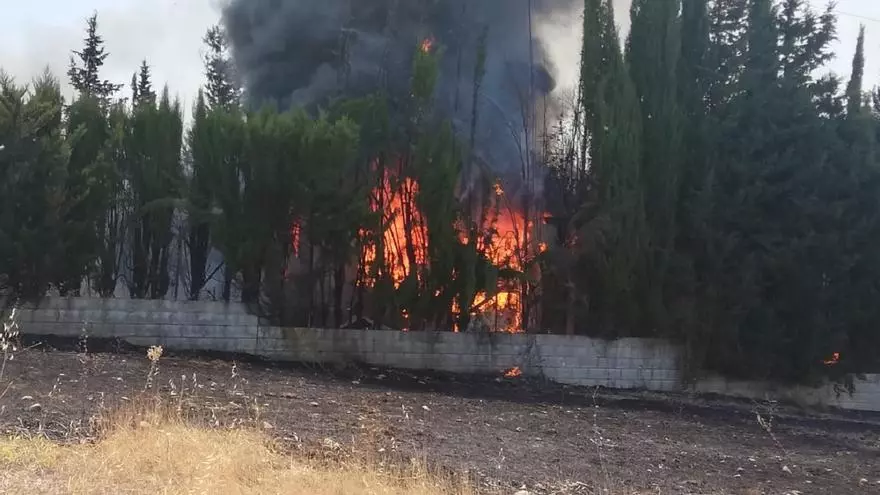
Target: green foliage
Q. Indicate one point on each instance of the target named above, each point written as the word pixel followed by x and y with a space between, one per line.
pixel 34 158
pixel 87 181
pixel 653 55
pixel 202 146
pixel 735 229
pixel 154 172
pixel 85 66
pixel 222 89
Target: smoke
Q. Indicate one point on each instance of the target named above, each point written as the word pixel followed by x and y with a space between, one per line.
pixel 302 52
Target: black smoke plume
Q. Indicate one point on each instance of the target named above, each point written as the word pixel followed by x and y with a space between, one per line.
pixel 303 52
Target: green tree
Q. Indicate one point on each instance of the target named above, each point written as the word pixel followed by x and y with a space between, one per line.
pixel 142 85
pixel 85 66
pixel 89 178
pixel 112 227
pixel 653 55
pixel 33 175
pixel 611 225
pixel 219 156
pixel 155 175
pixel 222 89
pixel 205 158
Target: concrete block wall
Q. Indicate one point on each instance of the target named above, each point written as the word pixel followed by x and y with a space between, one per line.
pixel 865 398
pixel 573 360
pixel 178 325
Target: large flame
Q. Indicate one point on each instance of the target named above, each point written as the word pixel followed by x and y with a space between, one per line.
pixel 503 240
pixel 404 238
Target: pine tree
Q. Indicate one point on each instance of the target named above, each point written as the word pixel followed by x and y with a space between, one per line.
pixel 85 66
pixel 727 50
pixel 145 93
pixel 222 88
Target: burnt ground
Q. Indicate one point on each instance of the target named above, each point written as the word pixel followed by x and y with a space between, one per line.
pixel 508 433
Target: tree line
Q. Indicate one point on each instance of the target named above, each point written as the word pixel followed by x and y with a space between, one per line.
pixel 723 187
pixel 709 183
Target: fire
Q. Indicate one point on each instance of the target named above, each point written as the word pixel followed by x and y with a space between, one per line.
pixel 427 45
pixel 835 358
pixel 503 239
pixel 404 230
pixel 295 236
pixel 514 372
pixel 499 189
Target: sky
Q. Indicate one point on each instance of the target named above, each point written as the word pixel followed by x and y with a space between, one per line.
pixel 168 33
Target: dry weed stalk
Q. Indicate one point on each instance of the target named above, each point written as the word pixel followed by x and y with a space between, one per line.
pixel 765 421
pixel 8 343
pixel 154 353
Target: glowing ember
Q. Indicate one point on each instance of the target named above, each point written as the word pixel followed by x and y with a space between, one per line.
pixel 295 235
pixel 514 372
pixel 499 189
pixel 835 358
pixel 427 44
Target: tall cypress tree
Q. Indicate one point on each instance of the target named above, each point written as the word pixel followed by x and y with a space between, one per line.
pixel 611 224
pixel 854 97
pixel 154 149
pixel 653 57
pixel 200 198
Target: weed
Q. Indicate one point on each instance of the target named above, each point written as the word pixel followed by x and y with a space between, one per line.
pixel 154 353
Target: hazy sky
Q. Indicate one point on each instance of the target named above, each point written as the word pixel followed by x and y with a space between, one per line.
pixel 39 33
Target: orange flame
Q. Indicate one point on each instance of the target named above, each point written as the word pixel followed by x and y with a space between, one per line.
pixel 835 358
pixel 499 189
pixel 295 236
pixel 402 222
pixel 514 372
pixel 404 239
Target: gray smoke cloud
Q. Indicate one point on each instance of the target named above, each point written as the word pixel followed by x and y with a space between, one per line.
pixel 302 52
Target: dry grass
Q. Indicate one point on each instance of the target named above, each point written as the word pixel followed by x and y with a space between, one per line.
pixel 151 452
pixel 153 446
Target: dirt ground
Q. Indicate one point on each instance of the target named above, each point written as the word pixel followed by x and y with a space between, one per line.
pixel 509 434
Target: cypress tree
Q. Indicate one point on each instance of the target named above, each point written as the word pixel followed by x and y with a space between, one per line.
pixel 653 56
